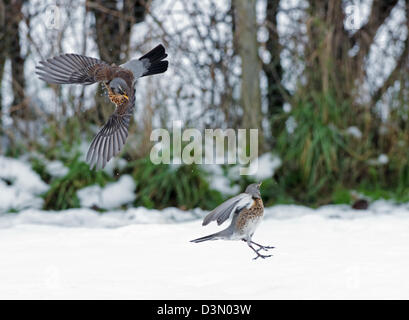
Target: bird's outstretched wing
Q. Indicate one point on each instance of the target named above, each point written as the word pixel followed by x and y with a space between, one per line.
pixel 72 68
pixel 112 136
pixel 224 211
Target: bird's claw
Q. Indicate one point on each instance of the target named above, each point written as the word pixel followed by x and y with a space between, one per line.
pixel 260 247
pixel 265 248
pixel 262 256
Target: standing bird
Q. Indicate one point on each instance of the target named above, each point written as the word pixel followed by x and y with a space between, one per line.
pixel 119 81
pixel 247 211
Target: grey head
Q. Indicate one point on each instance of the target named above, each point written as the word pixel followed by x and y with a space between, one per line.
pixel 119 86
pixel 254 190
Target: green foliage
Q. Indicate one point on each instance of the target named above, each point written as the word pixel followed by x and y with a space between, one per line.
pixel 63 138
pixel 274 193
pixel 63 191
pixel 379 192
pixel 321 163
pixel 162 185
pixel 12 210
pixel 40 168
pixel 312 154
pixel 16 150
pixel 341 196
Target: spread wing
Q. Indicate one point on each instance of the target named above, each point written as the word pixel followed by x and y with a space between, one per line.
pixel 72 68
pixel 112 136
pixel 224 211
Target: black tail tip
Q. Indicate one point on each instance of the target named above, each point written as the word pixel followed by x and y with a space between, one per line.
pixel 156 63
pixel 156 68
pixel 156 54
pixel 205 238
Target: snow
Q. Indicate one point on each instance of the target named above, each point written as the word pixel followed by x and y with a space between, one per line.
pixel 222 184
pixel 332 252
pixel 114 163
pixel 87 218
pixel 56 168
pixel 21 175
pixel 218 181
pixel 13 198
pixel 291 125
pixel 265 166
pixel 260 168
pixel 113 195
pixel 354 132
pixel 287 107
pixel 382 159
pixel 19 185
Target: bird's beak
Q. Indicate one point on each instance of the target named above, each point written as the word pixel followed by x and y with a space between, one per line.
pixel 126 97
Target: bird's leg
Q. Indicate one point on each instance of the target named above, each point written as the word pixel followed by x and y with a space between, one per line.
pixel 260 247
pixel 257 252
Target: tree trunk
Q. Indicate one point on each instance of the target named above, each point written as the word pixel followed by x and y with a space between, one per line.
pixel 10 48
pixel 2 62
pixel 273 69
pixel 17 64
pixel 247 48
pixel 2 54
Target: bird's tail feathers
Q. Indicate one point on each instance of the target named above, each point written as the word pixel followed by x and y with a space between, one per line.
pixel 156 63
pixel 213 236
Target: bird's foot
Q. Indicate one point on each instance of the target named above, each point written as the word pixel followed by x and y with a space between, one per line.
pixel 265 248
pixel 260 246
pixel 262 256
pixel 256 251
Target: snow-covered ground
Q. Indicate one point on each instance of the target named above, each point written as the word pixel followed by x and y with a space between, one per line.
pixel 135 253
pixel 331 252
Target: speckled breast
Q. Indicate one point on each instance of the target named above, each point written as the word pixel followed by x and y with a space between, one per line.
pixel 117 98
pixel 249 219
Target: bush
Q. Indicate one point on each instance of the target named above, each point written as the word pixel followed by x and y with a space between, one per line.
pixel 184 186
pixel 313 153
pixel 63 191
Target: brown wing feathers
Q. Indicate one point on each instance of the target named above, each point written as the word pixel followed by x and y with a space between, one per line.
pixel 112 136
pixel 71 68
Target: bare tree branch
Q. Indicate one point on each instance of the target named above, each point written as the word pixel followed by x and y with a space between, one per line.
pixel 401 62
pixel 365 35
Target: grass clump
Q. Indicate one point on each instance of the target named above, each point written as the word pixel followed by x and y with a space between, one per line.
pixel 63 191
pixel 162 185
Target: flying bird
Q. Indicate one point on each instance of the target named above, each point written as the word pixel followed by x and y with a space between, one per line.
pixel 120 83
pixel 246 211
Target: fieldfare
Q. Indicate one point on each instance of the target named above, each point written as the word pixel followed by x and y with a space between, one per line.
pixel 247 212
pixel 119 81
